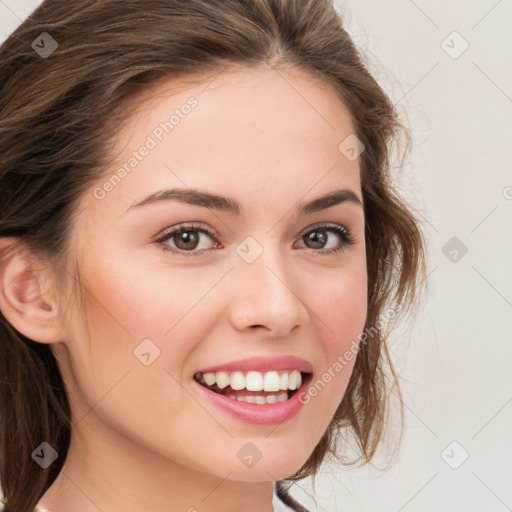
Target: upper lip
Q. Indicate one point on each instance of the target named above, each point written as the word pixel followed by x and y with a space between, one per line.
pixel 262 364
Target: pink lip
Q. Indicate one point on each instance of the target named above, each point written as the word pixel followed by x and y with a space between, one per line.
pixel 264 414
pixel 263 364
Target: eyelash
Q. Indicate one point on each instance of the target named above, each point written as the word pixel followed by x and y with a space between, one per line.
pixel 342 232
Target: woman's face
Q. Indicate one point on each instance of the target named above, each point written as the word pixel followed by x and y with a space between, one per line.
pixel 263 284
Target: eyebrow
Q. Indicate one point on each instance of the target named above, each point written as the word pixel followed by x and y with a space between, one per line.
pixel 226 204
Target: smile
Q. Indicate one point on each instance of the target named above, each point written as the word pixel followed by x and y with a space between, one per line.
pixel 253 386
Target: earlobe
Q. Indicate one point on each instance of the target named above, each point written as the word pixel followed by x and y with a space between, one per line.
pixel 23 302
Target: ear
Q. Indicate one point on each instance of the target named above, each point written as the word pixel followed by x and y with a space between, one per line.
pixel 24 301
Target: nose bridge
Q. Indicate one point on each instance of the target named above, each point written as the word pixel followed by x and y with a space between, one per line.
pixel 267 293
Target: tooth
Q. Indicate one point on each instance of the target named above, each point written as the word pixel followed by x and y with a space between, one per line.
pixel 249 399
pixel 284 381
pixel 254 381
pixel 237 380
pixel 299 380
pixel 294 380
pixel 271 381
pixel 291 381
pixel 222 379
pixel 260 399
pixel 209 378
pixel 230 395
pixel 271 399
pixel 282 397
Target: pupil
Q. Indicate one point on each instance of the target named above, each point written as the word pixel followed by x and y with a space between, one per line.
pixel 317 237
pixel 186 239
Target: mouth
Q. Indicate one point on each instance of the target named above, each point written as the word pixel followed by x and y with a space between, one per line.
pixel 253 386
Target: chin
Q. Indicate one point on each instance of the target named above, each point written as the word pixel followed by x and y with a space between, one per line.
pixel 276 468
pixel 267 473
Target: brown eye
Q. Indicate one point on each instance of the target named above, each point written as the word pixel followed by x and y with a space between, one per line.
pixel 186 240
pixel 317 238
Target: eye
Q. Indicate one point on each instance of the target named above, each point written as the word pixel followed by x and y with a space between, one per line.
pixel 317 238
pixel 186 238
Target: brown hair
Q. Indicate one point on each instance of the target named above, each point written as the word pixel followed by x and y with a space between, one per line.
pixel 57 123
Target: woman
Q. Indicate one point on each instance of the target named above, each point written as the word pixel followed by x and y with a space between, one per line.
pixel 201 253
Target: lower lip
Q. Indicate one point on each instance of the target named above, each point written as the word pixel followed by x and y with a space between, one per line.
pixel 264 414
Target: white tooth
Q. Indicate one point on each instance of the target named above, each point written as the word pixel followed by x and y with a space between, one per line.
pixel 254 381
pixel 260 399
pixel 209 378
pixel 271 399
pixel 237 380
pixel 250 399
pixel 222 379
pixel 230 395
pixel 282 397
pixel 284 381
pixel 293 381
pixel 271 381
pixel 299 379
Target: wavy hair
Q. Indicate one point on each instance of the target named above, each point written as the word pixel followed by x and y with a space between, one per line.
pixel 58 120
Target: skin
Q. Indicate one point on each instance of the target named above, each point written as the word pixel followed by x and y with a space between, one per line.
pixel 143 435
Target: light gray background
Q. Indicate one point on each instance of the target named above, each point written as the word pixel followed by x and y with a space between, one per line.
pixel 456 363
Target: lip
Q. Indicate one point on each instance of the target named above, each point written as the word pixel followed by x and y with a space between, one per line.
pixel 262 364
pixel 264 414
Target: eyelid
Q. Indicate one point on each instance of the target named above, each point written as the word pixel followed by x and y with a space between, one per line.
pixel 342 231
pixel 324 225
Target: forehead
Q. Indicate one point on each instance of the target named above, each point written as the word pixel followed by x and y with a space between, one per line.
pixel 249 130
pixel 246 101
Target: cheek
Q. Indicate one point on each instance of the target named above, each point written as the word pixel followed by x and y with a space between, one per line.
pixel 341 310
pixel 129 304
pixel 132 302
pixel 134 319
pixel 341 307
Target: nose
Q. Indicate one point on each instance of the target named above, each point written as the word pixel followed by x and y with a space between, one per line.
pixel 267 296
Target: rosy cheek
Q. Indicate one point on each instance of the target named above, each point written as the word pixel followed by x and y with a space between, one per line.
pixel 124 301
